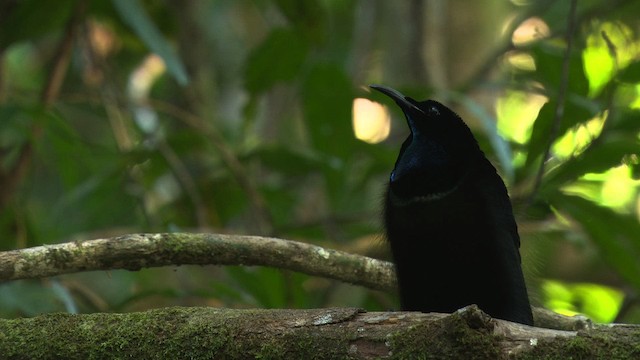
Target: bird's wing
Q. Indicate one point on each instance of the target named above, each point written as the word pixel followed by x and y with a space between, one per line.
pixel 498 205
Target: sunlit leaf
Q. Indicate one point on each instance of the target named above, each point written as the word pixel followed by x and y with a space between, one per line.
pixel 598 64
pixel 608 49
pixel 619 189
pixel 558 297
pixel 576 139
pixel 614 188
pixel 598 302
pixel 600 157
pixel 516 112
pixel 541 132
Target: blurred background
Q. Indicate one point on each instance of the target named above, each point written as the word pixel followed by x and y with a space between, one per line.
pixel 253 117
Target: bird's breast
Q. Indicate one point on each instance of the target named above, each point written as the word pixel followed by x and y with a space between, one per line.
pixel 453 225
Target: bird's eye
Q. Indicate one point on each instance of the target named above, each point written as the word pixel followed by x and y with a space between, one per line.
pixel 434 111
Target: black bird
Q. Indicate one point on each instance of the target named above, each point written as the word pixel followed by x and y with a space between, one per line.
pixel 449 220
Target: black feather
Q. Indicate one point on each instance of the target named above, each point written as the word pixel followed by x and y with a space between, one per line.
pixel 449 220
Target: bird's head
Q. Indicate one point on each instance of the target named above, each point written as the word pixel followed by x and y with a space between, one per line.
pixel 437 154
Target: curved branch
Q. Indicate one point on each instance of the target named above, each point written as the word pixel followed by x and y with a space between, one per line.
pixel 136 251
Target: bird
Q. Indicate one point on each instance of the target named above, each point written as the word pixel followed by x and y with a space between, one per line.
pixel 449 221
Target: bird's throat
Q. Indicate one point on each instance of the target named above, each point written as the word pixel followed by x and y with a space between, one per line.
pixel 421 198
pixel 403 199
pixel 423 189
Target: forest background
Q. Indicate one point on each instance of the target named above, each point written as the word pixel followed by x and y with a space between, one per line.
pixel 253 117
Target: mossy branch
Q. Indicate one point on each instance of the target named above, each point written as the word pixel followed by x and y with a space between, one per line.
pixel 333 333
pixel 136 251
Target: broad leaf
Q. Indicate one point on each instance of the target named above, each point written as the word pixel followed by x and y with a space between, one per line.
pixel 608 152
pixel 616 235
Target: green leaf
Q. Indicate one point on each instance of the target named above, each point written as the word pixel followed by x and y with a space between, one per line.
pixel 598 302
pixel 327 99
pixel 574 113
pixel 278 59
pixel 608 152
pixel 630 74
pixel 625 120
pixel 549 61
pixel 616 235
pixel 132 13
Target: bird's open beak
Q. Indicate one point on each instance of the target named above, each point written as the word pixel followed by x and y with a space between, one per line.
pixel 396 95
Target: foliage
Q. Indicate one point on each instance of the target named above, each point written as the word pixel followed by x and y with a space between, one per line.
pixel 241 123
